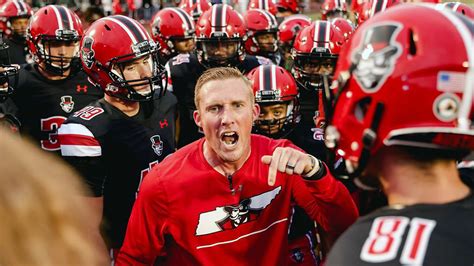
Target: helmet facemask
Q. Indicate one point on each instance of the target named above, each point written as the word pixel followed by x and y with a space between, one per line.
pixel 312 68
pixel 267 42
pixel 220 52
pixel 59 64
pixel 285 112
pixel 139 88
pixel 8 73
pixel 19 32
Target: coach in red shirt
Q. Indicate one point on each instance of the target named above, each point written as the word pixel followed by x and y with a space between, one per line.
pixel 227 198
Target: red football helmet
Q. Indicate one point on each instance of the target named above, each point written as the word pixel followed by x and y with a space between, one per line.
pixel 267 5
pixel 195 8
pixel 315 53
pixel 345 26
pixel 333 9
pixel 460 8
pixel 261 25
pixel 274 85
pixel 372 7
pixel 390 90
pixel 14 9
pixel 288 5
pixel 49 24
pixel 170 25
pixel 289 28
pixel 220 33
pixel 109 44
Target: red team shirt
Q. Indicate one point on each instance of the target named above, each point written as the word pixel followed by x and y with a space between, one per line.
pixel 193 215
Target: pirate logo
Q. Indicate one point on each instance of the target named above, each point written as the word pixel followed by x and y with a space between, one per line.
pixel 375 60
pixel 87 54
pixel 238 214
pixel 67 104
pixel 157 144
pixel 230 217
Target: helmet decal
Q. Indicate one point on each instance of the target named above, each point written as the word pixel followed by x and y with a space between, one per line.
pixel 87 53
pixel 375 59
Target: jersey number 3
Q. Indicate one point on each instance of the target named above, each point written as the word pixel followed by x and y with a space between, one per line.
pixel 386 236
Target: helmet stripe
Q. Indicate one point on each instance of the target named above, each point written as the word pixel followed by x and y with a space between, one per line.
pixel 322 32
pixel 130 24
pixel 184 17
pixel 20 6
pixel 327 37
pixel 218 17
pixel 58 17
pixel 273 72
pixel 379 6
pixel 125 28
pixel 66 22
pixel 266 77
pixel 270 18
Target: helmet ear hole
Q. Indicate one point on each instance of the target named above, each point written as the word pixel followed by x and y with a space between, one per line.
pixel 412 47
pixel 361 108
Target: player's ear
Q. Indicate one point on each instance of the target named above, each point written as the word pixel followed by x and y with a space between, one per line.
pixel 197 118
pixel 255 111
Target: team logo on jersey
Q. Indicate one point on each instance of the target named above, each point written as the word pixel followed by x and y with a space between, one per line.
pixel 375 59
pixel 87 53
pixel 157 144
pixel 67 104
pixel 232 216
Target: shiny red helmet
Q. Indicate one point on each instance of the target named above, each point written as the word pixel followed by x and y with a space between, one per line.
pixel 273 85
pixel 170 25
pixel 345 26
pixel 372 7
pixel 267 5
pixel 54 23
pixel 262 32
pixel 333 8
pixel 390 90
pixel 315 53
pixel 108 45
pixel 220 33
pixel 11 10
pixel 460 8
pixel 288 5
pixel 289 28
pixel 195 8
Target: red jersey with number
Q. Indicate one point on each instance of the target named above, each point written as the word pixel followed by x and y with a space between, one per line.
pixel 422 234
pixel 189 214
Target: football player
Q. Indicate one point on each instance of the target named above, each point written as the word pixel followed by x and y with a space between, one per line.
pixel 262 35
pixel 174 30
pixel 287 32
pixel 402 118
pixel 14 17
pixel 113 142
pixel 276 93
pixel 53 87
pixel 220 33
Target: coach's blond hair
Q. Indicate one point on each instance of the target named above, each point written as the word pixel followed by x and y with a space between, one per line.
pixel 220 73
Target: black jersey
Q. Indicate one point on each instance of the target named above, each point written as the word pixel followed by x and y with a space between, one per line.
pixel 184 71
pixel 113 152
pixel 421 234
pixel 18 52
pixel 44 104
